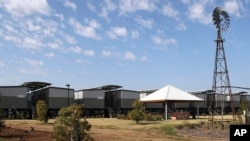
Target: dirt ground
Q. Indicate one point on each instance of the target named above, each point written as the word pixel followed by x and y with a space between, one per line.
pixel 110 130
pixel 14 134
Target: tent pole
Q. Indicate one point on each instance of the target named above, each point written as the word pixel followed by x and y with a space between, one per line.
pixel 198 111
pixel 166 110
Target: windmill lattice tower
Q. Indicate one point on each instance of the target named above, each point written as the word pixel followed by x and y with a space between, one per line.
pixel 221 84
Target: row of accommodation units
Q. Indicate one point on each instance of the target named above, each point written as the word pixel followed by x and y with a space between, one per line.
pixel 105 101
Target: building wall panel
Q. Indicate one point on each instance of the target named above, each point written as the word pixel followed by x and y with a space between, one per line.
pixel 60 92
pixel 13 96
pixel 93 103
pixel 98 94
pixel 12 101
pixel 155 105
pixel 59 102
pixel 126 103
pixel 129 95
pixel 13 91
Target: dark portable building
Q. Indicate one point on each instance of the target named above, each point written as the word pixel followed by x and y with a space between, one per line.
pixel 90 98
pixel 13 101
pixel 121 100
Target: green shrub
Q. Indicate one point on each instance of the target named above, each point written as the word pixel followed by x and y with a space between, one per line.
pixel 71 125
pixel 138 111
pixel 42 109
pixel 148 117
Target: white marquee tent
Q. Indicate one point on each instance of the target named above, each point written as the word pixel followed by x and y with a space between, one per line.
pixel 170 93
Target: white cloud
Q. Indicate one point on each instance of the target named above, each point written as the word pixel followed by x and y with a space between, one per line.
pixel 129 56
pixel 31 42
pixel 60 16
pixel 70 39
pixel 146 23
pixel 2 64
pixel 79 50
pixel 78 61
pixel 197 12
pixel 144 58
pixel 50 55
pixel 92 23
pixel 136 5
pixel 83 61
pixel 32 71
pixel 31 33
pixel 185 1
pixel 10 29
pixel 181 26
pixel 76 49
pixel 114 32
pixel 234 7
pixel 56 44
pixel 25 42
pixel 89 53
pixel 169 11
pixel 159 41
pixel 135 34
pixel 49 27
pixel 32 27
pixel 69 4
pixel 91 7
pixel 108 7
pixel 86 30
pixel 12 39
pixel 26 7
pixel 106 53
pixel 33 63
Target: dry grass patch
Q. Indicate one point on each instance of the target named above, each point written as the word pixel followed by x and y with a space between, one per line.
pixel 112 129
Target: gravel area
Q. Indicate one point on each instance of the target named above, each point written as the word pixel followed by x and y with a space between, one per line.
pixel 205 131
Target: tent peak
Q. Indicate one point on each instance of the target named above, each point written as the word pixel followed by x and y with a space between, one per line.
pixel 170 93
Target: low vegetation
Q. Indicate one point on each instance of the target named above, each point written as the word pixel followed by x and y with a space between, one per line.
pixel 42 110
pixel 138 111
pixel 113 129
pixel 139 114
pixel 70 125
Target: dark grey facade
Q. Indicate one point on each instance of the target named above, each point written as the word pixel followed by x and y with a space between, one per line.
pixel 13 96
pixel 121 99
pixel 60 97
pixel 13 101
pixel 90 98
pixel 101 101
pixel 55 97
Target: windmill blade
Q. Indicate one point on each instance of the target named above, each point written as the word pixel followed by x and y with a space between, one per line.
pixel 221 19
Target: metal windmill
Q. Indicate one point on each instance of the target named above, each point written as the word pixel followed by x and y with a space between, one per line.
pixel 221 83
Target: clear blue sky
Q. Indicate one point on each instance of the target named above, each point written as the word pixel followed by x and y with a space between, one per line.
pixel 138 44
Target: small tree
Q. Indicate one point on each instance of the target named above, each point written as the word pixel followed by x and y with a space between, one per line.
pixel 243 106
pixel 42 110
pixel 138 111
pixel 71 126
